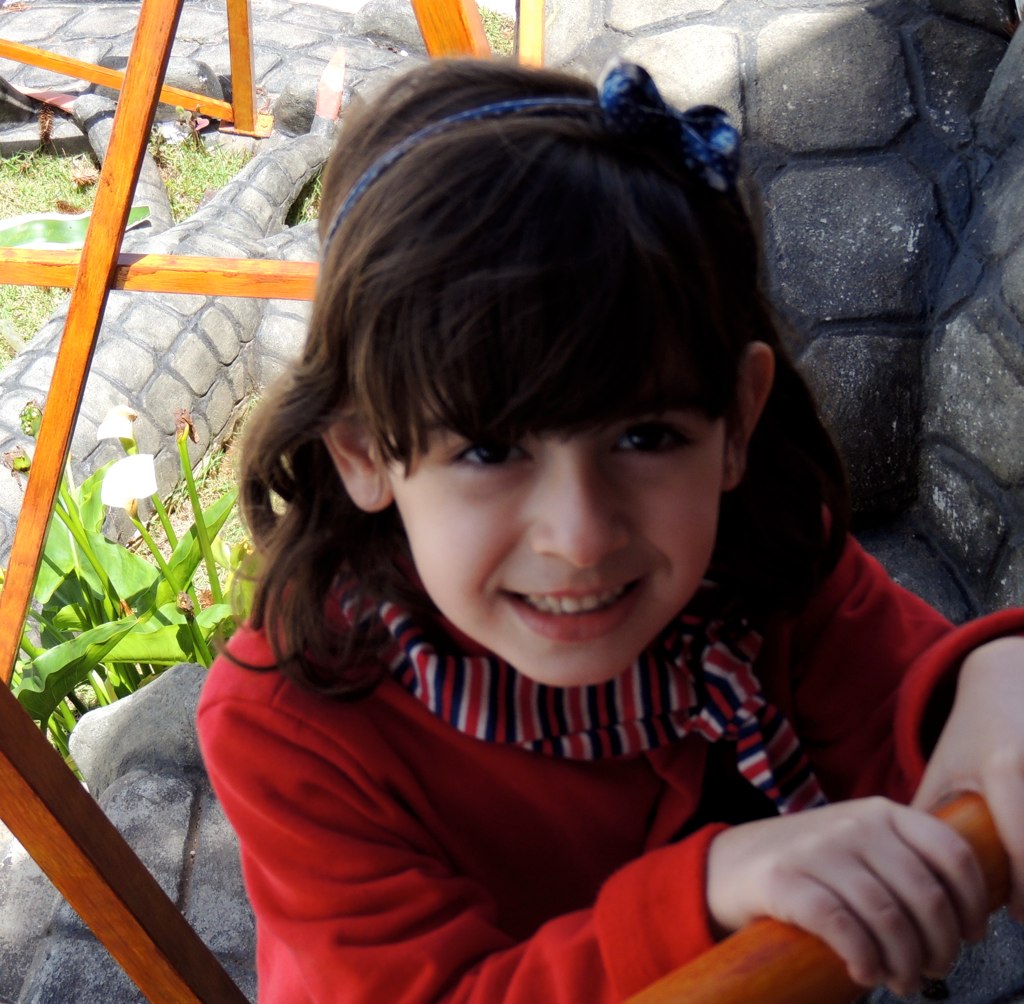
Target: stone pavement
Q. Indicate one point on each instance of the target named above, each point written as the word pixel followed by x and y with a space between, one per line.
pixel 884 164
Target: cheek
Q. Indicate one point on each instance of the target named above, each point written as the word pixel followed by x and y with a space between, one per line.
pixel 453 546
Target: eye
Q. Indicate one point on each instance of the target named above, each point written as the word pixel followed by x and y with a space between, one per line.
pixel 489 454
pixel 651 437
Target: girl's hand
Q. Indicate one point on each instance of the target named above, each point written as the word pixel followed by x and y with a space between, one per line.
pixel 982 748
pixel 890 889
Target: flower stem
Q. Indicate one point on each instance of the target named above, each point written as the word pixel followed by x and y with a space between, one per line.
pixel 165 521
pixel 165 569
pixel 202 535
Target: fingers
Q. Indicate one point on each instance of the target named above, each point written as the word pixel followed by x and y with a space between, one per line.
pixel 892 892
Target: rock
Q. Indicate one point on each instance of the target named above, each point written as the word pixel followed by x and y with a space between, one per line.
pixel 828 80
pixel 392 21
pixel 153 729
pixel 295 106
pixel 15 107
pixel 869 387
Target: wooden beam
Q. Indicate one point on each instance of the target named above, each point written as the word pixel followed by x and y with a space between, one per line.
pixel 775 963
pixel 452 28
pixel 157 273
pixel 530 32
pixel 243 88
pixel 66 832
pixel 40 800
pixel 114 79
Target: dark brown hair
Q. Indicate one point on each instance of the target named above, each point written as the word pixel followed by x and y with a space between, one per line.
pixel 525 274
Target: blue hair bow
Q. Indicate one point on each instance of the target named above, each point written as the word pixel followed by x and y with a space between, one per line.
pixel 701 136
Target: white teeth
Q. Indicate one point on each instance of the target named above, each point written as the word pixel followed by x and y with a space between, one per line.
pixel 572 604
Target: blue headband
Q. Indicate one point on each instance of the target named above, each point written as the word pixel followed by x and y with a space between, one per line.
pixel 630 104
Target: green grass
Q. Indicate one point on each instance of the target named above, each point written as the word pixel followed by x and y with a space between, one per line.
pixel 35 183
pixel 500 31
pixel 43 182
pixel 191 173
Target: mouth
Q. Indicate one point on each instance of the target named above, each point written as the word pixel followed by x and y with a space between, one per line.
pixel 566 605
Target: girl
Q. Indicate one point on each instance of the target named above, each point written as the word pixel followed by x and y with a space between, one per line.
pixel 557 622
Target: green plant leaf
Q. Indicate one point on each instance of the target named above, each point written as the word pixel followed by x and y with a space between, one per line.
pixel 130 574
pixel 57 562
pixel 160 645
pixel 47 679
pixel 210 618
pixel 91 510
pixel 68 618
pixel 187 555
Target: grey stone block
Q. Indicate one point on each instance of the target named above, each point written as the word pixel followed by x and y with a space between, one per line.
pixel 78 969
pixel 830 80
pixel 998 225
pixel 198 23
pixel 220 406
pixel 22 883
pixel 989 14
pixel 1013 284
pixel 913 563
pixel 1007 586
pixel 629 15
pixel 221 330
pixel 152 730
pixel 217 905
pixel 1000 120
pixel 975 392
pixel 124 361
pixel 14 106
pixel 44 25
pixel 696 64
pixel 957 63
pixel 969 523
pixel 184 304
pixel 102 21
pixel 148 320
pixel 195 363
pixel 869 390
pixel 391 20
pixel 853 240
pixel 295 105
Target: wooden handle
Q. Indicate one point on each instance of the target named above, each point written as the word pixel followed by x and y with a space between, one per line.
pixel 775 963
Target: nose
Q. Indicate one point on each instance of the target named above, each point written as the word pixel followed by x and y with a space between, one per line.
pixel 579 515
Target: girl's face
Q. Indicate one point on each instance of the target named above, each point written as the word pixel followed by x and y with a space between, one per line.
pixel 564 555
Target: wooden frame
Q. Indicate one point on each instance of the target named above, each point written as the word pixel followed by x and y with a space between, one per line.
pixel 241 111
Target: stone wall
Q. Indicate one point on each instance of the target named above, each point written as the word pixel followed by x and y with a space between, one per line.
pixel 880 160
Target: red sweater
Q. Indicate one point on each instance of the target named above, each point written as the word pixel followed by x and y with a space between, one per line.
pixel 391 858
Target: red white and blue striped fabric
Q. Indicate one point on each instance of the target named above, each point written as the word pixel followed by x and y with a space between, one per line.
pixel 697 677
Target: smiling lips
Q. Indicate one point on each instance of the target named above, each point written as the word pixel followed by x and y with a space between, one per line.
pixel 553 604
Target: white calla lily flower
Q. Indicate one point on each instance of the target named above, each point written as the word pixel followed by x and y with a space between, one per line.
pixel 117 424
pixel 128 479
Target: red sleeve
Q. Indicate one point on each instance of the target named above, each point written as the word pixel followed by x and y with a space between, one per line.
pixel 354 901
pixel 867 674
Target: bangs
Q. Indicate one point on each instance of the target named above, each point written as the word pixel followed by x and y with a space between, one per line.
pixel 568 297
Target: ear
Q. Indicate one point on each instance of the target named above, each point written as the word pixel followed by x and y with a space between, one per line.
pixel 756 376
pixel 359 465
